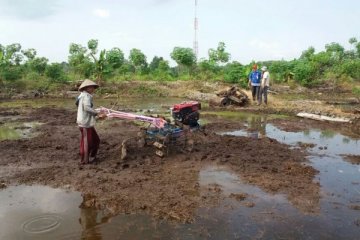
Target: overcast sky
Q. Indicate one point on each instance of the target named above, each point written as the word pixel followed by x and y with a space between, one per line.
pixel 252 30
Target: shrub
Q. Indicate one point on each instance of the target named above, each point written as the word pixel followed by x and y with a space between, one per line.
pixel 55 72
pixel 235 73
pixel 10 73
pixel 305 73
pixel 356 91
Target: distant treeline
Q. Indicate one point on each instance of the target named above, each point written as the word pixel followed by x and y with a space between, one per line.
pixel 24 69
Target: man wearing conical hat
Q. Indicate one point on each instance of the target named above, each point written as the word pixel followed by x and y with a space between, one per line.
pixel 89 143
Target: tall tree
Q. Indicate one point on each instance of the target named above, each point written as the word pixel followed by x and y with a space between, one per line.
pixel 155 63
pixel 335 50
pixel 353 41
pixel 183 56
pixel 29 53
pixel 138 59
pixel 219 55
pixel 34 63
pixel 55 72
pixel 10 59
pixel 79 60
pixel 38 64
pixel 115 58
pixel 11 54
pixel 99 62
pixel 308 53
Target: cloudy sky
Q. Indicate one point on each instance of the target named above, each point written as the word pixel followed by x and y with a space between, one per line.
pixel 252 30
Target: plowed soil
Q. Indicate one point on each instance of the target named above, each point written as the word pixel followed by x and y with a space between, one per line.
pixel 166 188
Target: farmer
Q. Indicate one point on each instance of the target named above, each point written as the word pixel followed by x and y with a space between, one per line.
pixel 254 81
pixel 265 83
pixel 89 143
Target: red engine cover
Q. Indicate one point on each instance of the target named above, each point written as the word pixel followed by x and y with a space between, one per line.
pixel 190 104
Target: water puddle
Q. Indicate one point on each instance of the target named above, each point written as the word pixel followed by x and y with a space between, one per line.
pixel 42 224
pixel 16 130
pixel 323 145
pixel 339 178
pixel 37 212
pixel 271 216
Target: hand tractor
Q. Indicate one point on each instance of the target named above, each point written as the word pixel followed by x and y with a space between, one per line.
pixel 161 134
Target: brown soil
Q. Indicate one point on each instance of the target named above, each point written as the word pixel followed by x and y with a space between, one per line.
pixel 354 159
pixel 166 188
pixel 299 124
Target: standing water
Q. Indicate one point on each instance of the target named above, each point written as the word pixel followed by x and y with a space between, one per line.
pixel 37 212
pixel 339 216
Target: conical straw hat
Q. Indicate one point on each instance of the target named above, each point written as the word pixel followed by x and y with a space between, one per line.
pixel 87 83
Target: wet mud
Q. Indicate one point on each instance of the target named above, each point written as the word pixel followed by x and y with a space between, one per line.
pixel 166 188
pixel 354 159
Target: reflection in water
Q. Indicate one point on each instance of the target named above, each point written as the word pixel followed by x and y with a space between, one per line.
pixel 256 126
pixel 327 134
pixel 88 221
pixel 306 132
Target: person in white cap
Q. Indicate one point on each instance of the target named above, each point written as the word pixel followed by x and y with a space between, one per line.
pixel 90 141
pixel 265 83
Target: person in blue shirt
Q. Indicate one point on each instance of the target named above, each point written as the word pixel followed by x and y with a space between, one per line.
pixel 255 82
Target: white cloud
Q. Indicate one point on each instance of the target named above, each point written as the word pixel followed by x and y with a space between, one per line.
pixel 124 37
pixel 29 9
pixel 264 45
pixel 268 49
pixel 103 13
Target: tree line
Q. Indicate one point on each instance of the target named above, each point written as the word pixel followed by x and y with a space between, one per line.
pixel 19 67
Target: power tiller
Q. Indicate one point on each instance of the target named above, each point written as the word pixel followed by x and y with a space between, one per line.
pixel 160 133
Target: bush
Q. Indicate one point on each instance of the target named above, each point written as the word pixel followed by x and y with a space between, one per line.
pixel 280 71
pixel 209 76
pixel 351 68
pixel 305 73
pixel 10 73
pixel 235 73
pixel 33 76
pixel 55 72
pixel 356 91
pixel 161 76
pixel 144 90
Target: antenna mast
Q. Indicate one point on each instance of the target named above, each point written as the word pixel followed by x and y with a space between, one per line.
pixel 196 44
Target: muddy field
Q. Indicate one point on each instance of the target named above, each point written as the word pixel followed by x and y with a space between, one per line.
pixel 166 188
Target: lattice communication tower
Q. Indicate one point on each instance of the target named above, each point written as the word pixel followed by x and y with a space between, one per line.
pixel 196 26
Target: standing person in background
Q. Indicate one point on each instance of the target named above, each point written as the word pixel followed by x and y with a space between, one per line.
pixel 265 83
pixel 89 143
pixel 255 82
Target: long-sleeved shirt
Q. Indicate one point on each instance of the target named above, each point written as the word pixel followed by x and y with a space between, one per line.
pixel 85 114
